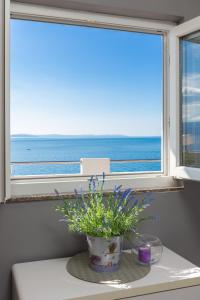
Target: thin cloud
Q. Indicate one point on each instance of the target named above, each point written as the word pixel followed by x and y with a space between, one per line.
pixel 191 112
pixel 191 84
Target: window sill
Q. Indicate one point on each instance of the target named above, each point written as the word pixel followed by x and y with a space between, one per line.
pixel 38 189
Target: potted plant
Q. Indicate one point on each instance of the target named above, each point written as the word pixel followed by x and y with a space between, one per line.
pixel 105 219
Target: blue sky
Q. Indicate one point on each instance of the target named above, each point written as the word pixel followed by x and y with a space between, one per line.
pixel 78 80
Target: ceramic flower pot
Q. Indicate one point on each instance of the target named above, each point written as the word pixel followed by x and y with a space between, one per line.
pixel 104 253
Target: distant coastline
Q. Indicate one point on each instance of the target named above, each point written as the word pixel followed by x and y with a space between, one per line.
pixel 84 136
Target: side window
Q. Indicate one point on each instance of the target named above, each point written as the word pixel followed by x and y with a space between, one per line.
pixel 190 100
pixel 185 100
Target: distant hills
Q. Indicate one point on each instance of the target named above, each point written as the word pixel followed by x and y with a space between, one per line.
pixel 74 136
pixel 65 136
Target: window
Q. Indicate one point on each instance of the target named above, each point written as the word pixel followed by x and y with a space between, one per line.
pixel 184 111
pixel 100 84
pixel 175 106
pixel 88 92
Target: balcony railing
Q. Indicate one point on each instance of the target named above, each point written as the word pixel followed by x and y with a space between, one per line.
pixel 76 162
pixel 98 166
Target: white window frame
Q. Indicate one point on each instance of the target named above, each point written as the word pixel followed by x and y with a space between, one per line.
pixel 176 170
pixel 41 185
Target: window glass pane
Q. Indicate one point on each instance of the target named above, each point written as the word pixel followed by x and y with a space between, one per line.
pixel 84 92
pixel 190 97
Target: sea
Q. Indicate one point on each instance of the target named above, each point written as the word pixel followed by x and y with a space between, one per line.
pixel 41 149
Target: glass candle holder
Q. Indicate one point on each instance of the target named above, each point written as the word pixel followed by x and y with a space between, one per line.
pixel 147 249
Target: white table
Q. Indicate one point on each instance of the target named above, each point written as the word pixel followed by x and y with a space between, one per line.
pixel 172 278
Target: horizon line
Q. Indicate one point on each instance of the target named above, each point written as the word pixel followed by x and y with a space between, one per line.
pixel 80 135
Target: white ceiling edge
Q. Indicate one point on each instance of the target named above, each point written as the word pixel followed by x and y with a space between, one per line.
pixel 96 7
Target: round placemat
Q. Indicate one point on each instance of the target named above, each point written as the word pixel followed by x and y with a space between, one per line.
pixel 78 266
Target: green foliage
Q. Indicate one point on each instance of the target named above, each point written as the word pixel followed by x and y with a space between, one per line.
pixel 100 215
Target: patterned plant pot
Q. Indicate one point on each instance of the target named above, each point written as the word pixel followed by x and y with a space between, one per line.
pixel 104 254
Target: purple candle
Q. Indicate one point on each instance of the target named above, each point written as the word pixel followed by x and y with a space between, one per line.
pixel 144 254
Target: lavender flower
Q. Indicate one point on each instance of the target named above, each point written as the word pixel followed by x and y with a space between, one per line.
pixel 125 195
pixel 90 182
pixel 103 181
pixel 117 188
pixel 57 193
pixel 96 214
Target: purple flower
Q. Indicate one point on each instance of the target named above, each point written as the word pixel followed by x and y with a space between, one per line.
pixel 103 180
pixel 90 181
pixel 94 185
pixel 103 175
pixel 131 201
pixel 57 193
pixel 117 188
pixel 125 193
pixel 117 192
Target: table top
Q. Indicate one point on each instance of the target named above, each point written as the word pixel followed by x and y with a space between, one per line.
pixel 49 280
